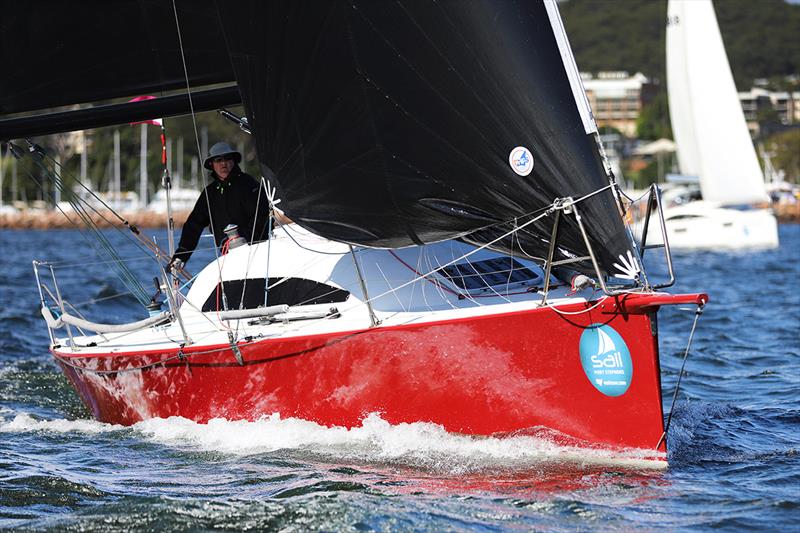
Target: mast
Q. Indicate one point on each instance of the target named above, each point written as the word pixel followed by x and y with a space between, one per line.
pixel 179 156
pixel 56 188
pixel 84 156
pixel 143 167
pixel 194 172
pixel 14 197
pixel 116 193
pixel 167 182
pixel 2 173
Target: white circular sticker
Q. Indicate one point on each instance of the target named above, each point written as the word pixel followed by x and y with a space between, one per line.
pixel 521 160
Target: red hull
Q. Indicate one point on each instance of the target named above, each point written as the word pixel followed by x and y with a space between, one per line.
pixel 479 375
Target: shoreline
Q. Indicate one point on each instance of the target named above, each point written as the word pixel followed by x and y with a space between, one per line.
pixel 41 219
pixel 50 219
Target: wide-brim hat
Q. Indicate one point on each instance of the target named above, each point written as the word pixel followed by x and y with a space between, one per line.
pixel 221 149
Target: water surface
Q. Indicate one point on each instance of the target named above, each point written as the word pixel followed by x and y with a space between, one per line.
pixel 733 455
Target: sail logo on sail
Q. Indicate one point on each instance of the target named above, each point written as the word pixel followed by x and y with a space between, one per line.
pixel 606 360
pixel 521 160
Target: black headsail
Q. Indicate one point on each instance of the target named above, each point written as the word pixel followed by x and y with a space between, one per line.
pixel 392 123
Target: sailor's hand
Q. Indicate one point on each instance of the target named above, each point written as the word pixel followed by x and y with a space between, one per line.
pixel 175 265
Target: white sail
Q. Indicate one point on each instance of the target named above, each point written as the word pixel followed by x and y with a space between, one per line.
pixel 707 119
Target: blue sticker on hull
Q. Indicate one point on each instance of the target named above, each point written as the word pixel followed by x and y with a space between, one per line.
pixel 606 360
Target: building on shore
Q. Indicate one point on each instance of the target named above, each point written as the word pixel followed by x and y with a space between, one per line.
pixel 617 98
pixel 758 103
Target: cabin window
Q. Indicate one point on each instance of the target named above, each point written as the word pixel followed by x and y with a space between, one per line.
pixel 249 293
pixel 477 275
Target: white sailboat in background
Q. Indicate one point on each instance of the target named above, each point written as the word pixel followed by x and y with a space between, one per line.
pixel 713 143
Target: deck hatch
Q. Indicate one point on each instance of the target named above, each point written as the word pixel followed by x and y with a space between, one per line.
pixel 479 275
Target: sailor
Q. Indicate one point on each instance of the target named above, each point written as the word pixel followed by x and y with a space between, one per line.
pixel 233 197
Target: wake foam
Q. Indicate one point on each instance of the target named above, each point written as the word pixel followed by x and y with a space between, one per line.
pixel 22 423
pixel 418 445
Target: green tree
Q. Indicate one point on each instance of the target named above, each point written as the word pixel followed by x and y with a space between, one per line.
pixel 767 115
pixel 653 122
pixel 761 37
pixel 785 147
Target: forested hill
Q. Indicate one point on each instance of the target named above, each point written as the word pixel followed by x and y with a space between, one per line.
pixel 762 37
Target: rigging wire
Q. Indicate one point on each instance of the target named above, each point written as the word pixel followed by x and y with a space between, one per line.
pixel 698 312
pixel 63 265
pixel 285 228
pixel 194 124
pixel 134 234
pixel 517 227
pixel 535 216
pixel 100 243
pixel 138 239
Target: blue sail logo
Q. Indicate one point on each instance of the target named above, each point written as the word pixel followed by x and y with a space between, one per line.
pixel 521 160
pixel 606 360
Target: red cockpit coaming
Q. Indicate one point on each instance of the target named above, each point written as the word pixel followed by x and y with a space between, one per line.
pixel 481 375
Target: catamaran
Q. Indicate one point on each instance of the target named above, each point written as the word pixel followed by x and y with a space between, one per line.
pixel 459 252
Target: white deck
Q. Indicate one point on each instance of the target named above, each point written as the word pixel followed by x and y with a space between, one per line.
pixel 398 295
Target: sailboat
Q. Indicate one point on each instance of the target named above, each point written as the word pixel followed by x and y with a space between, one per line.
pixel 713 142
pixel 459 253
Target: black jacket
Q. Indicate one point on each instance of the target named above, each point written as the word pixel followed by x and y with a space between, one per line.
pixel 232 201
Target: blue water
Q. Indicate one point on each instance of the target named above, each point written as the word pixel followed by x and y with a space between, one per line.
pixel 734 459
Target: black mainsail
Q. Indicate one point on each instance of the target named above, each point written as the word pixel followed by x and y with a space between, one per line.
pixel 57 53
pixel 383 124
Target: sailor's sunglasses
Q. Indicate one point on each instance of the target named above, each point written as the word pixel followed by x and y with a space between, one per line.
pixel 222 158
